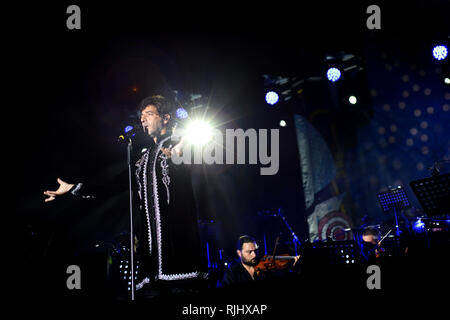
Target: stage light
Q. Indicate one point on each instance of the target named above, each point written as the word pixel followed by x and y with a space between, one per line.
pixel 440 52
pixel 418 226
pixel 128 133
pixel 272 97
pixel 199 132
pixel 182 113
pixel 352 99
pixel 283 123
pixel 333 74
pixel 447 80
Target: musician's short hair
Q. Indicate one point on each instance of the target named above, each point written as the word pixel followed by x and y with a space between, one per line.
pixel 370 231
pixel 163 105
pixel 244 239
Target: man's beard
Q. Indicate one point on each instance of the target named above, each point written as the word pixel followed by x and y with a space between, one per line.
pixel 251 263
pixel 154 131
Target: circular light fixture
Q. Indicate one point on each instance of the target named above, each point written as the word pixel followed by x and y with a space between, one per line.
pixel 333 74
pixel 272 97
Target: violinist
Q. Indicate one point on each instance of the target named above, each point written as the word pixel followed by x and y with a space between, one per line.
pixel 371 246
pixel 244 270
pixel 249 267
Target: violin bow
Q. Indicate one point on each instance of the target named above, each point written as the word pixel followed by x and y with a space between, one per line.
pixel 385 236
pixel 275 247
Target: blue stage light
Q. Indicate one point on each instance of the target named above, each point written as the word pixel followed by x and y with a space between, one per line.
pixel 440 52
pixel 418 226
pixel 272 97
pixel 128 129
pixel 182 113
pixel 333 74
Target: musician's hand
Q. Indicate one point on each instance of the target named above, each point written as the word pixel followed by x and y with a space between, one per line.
pixel 178 149
pixel 296 258
pixel 167 152
pixel 64 187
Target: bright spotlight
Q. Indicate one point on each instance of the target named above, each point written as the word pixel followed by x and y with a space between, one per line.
pixel 352 100
pixel 333 74
pixel 199 132
pixel 447 80
pixel 283 123
pixel 440 52
pixel 181 113
pixel 271 97
pixel 418 226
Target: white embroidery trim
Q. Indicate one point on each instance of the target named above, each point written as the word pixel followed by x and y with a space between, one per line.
pixel 141 284
pixel 162 276
pixel 139 165
pixel 76 189
pixel 146 202
pixel 165 173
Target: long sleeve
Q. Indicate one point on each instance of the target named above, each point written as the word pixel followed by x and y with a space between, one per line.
pixel 228 278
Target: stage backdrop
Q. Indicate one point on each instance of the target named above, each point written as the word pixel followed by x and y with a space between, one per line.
pixel 344 163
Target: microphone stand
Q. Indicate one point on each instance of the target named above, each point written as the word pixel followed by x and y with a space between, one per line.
pixel 294 236
pixel 129 149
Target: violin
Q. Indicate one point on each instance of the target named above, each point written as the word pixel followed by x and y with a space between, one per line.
pixel 379 250
pixel 273 263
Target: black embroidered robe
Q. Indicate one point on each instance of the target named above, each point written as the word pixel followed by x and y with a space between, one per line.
pixel 165 225
pixel 169 242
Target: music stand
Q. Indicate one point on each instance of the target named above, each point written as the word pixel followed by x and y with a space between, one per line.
pixel 433 194
pixel 394 199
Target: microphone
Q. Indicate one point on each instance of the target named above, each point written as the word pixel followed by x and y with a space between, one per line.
pixel 129 132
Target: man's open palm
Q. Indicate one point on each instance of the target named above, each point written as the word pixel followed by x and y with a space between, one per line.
pixel 64 187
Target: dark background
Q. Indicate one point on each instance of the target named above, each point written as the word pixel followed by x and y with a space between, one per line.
pixel 73 94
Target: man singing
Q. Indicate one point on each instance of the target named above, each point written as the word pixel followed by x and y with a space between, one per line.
pixel 167 231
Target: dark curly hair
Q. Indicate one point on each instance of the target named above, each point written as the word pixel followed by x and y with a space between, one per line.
pixel 163 105
pixel 244 239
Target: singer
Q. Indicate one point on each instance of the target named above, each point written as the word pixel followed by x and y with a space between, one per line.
pixel 166 227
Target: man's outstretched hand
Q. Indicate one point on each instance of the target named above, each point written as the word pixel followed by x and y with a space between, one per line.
pixel 64 187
